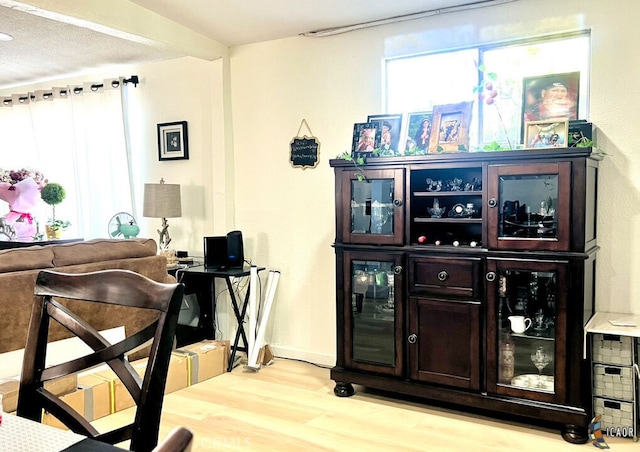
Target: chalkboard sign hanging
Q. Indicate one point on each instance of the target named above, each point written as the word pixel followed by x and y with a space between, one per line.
pixel 305 150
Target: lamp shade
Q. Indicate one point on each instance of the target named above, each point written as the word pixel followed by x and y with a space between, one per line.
pixel 162 201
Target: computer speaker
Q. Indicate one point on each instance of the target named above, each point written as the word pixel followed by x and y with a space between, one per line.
pixel 235 250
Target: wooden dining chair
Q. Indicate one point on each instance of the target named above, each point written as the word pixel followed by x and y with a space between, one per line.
pixel 56 293
pixel 178 440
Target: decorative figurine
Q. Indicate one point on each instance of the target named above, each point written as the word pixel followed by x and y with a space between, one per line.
pixel 455 184
pixel 433 185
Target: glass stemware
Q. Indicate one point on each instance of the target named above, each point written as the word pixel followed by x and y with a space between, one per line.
pixel 540 358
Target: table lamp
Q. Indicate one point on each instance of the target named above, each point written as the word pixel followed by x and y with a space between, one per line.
pixel 162 201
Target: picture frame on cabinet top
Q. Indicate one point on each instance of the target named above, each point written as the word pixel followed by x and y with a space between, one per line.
pixel 450 129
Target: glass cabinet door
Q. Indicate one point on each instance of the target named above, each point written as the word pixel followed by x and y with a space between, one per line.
pixel 372 312
pixel 372 207
pixel 529 206
pixel 527 316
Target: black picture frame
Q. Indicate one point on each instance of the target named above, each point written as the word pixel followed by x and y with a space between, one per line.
pixel 173 142
pixel 550 96
pixel 389 138
pixel 363 143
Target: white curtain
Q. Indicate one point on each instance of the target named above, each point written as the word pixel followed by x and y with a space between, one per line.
pixel 78 140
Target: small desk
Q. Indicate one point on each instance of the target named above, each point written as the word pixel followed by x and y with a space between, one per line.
pixel 201 281
pixel 18 434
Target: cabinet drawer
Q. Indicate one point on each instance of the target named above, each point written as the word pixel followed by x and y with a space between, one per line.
pixel 614 413
pixel 445 276
pixel 613 381
pixel 612 349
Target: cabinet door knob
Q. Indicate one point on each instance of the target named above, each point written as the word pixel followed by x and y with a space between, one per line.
pixel 443 275
pixel 412 339
pixel 491 276
pixel 492 202
pixel 397 269
pixel 397 202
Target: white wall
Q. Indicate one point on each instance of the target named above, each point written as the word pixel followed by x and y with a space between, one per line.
pixel 245 181
pixel 286 214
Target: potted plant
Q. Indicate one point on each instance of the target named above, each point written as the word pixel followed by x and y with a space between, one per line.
pixel 53 194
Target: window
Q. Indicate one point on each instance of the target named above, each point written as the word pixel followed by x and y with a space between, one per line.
pixel 417 83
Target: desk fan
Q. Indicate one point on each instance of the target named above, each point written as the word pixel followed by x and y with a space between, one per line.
pixel 123 224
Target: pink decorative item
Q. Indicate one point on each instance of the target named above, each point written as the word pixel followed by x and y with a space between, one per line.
pixel 22 197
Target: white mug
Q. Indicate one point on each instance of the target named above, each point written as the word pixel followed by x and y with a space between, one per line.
pixel 519 324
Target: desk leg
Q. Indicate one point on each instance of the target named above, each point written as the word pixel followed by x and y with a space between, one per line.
pixel 240 314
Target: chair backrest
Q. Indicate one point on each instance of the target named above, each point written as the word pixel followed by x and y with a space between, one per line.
pixel 56 295
pixel 178 440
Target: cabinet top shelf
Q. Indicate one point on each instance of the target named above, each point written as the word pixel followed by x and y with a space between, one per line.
pixel 482 156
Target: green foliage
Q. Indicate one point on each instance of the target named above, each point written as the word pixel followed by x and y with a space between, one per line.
pixel 415 150
pixel 357 162
pixel 58 224
pixel 53 193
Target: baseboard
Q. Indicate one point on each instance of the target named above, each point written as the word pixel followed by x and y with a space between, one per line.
pixel 303 355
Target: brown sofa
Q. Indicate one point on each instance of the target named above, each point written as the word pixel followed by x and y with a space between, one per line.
pixel 19 268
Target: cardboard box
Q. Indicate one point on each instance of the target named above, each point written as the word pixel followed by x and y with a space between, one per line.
pixel 206 359
pixel 75 400
pixel 9 390
pixel 120 399
pixel 97 398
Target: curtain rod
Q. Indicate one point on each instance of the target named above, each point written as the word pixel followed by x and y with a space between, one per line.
pixel 47 94
pixel 391 20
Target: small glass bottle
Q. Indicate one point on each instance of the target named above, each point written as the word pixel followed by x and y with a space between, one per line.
pixel 506 370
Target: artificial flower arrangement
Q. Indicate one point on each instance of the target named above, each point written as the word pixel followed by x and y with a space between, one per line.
pixel 21 189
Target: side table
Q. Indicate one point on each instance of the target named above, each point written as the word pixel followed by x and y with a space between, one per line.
pixel 200 281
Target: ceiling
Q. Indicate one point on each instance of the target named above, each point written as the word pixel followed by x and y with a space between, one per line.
pixel 94 34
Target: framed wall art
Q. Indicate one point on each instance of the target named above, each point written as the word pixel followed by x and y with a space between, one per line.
pixel 173 141
pixel 450 129
pixel 391 128
pixel 366 138
pixel 419 125
pixel 546 134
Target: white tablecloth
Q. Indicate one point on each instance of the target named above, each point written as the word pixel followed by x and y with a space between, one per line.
pixel 22 435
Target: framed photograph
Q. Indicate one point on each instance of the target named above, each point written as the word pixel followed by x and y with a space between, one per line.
pixel 450 130
pixel 390 126
pixel 173 143
pixel 553 96
pixel 366 138
pixel 416 140
pixel 546 134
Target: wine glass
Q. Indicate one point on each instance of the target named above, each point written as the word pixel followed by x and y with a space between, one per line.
pixel 540 358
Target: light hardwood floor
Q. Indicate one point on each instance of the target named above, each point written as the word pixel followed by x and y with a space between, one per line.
pixel 290 406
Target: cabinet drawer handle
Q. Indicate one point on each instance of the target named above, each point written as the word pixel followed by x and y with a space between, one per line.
pixel 491 276
pixel 609 404
pixel 397 202
pixel 397 269
pixel 492 202
pixel 412 339
pixel 443 275
pixel 612 371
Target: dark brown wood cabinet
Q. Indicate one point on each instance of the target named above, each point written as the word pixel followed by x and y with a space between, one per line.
pixel 467 278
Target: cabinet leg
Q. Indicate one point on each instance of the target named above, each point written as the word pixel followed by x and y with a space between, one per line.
pixel 575 434
pixel 343 389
